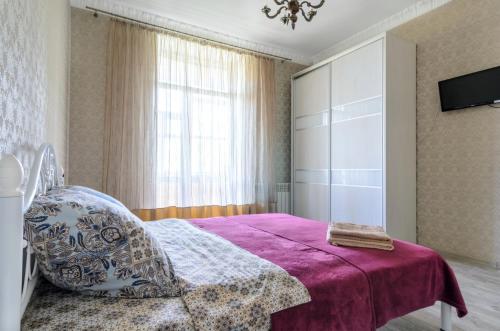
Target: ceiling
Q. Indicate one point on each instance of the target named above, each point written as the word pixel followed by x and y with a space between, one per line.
pixel 241 22
pixel 335 21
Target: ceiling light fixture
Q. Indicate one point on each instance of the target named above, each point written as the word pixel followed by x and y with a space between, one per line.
pixel 291 8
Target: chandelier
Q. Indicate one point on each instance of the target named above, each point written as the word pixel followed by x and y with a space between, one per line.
pixel 291 8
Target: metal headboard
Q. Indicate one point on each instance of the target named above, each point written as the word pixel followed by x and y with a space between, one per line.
pixel 16 254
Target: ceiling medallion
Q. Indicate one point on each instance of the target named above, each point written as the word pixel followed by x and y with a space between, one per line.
pixel 291 8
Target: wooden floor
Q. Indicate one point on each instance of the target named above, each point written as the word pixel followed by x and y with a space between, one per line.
pixel 481 290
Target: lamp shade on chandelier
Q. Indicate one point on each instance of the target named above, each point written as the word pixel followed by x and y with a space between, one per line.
pixel 291 9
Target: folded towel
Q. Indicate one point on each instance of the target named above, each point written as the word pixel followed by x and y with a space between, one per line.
pixel 359 231
pixel 355 235
pixel 361 243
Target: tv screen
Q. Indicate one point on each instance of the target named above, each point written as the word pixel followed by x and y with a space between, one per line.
pixel 476 89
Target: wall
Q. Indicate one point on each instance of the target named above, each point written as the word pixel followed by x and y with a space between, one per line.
pixel 58 49
pixel 88 80
pixel 282 140
pixel 88 84
pixel 458 152
pixel 419 8
pixel 29 82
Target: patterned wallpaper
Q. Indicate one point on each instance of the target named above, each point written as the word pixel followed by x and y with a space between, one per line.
pixel 87 93
pixel 458 152
pixel 27 44
pixel 282 140
pixel 88 79
pixel 23 78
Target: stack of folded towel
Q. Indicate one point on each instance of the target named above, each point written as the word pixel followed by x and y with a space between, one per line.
pixel 354 235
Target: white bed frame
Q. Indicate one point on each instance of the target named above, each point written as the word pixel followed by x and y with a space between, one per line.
pixel 16 290
pixel 17 287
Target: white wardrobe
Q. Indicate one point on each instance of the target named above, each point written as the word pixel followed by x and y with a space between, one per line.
pixel 354 138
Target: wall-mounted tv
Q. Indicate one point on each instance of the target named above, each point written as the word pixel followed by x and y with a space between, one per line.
pixel 476 89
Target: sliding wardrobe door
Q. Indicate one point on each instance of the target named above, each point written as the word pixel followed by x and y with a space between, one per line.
pixel 311 136
pixel 357 136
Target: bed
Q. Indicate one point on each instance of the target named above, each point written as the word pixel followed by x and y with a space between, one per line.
pixel 350 289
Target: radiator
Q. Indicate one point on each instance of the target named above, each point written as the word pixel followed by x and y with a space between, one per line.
pixel 283 204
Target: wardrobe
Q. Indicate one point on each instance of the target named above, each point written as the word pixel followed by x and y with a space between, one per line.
pixel 354 137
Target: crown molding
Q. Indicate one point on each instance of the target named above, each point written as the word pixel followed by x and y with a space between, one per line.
pixel 418 9
pixel 120 9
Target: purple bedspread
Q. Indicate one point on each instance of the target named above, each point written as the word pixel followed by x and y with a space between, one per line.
pixel 351 288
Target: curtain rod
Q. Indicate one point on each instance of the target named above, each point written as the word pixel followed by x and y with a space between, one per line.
pixel 107 13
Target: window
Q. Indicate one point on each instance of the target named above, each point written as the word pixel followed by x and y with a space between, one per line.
pixel 206 127
pixel 186 126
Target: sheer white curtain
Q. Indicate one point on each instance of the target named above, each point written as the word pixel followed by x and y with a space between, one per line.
pixel 214 111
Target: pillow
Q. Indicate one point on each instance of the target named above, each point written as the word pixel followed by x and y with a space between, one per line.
pixel 94 192
pixel 85 243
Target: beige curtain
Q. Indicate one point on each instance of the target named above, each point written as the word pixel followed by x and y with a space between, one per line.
pixel 202 148
pixel 130 121
pixel 264 73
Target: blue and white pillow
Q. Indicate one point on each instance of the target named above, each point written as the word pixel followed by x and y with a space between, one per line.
pixel 94 192
pixel 85 243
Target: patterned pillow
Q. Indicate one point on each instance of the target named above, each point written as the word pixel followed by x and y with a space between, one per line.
pixel 85 243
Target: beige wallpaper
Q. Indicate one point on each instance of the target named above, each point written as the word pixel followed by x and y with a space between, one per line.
pixel 88 79
pixel 282 140
pixel 87 95
pixel 458 153
pixel 29 82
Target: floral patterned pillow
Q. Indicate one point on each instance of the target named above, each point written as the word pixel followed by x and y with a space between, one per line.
pixel 85 243
pixel 94 192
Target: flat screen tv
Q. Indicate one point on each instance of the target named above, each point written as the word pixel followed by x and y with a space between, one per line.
pixel 476 89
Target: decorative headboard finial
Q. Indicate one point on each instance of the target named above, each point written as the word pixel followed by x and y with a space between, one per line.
pixel 11 176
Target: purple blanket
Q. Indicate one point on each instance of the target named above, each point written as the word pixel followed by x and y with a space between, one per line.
pixel 351 288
